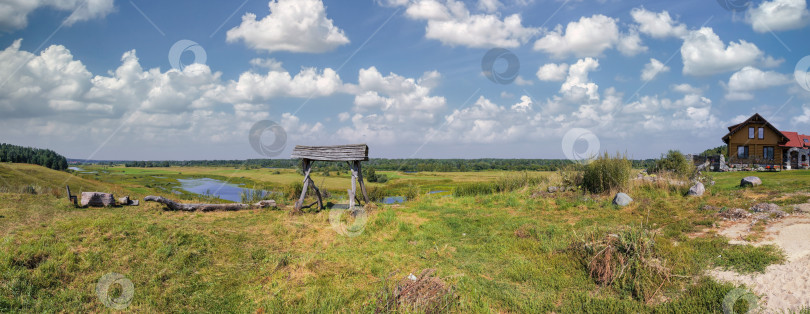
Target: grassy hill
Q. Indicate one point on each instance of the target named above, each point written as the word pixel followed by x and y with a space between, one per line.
pixel 506 252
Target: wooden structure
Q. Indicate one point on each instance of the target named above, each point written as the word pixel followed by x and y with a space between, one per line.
pixel 73 198
pixel 351 154
pixel 757 143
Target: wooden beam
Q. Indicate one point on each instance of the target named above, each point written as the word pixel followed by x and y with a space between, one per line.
pixel 353 152
pixel 305 165
pixel 353 191
pixel 360 179
pixel 317 193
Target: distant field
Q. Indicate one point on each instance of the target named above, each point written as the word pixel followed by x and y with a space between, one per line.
pixel 267 178
pixel 504 252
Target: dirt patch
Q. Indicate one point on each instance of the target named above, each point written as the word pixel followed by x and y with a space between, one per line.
pixel 784 287
pixel 754 195
pixel 802 208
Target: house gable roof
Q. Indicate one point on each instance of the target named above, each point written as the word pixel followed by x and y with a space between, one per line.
pixel 756 118
pixel 794 140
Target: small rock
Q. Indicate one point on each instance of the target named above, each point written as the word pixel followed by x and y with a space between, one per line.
pixel 764 207
pixel 777 214
pixel 760 216
pixel 552 189
pixel 696 190
pixel 735 213
pixel 124 200
pixel 622 199
pixel 412 277
pixel 750 181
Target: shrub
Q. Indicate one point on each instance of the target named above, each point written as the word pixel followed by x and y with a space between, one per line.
pixel 250 196
pixel 370 174
pixel 570 175
pixel 674 162
pixel 293 190
pixel 376 194
pixel 382 178
pixel 626 260
pixel 607 173
pixel 411 192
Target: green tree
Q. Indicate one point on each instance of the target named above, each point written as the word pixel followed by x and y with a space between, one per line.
pixel 674 162
pixel 370 175
pixel 719 150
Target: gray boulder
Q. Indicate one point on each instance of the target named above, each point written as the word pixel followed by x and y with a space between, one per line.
pixel 97 199
pixel 696 190
pixel 622 199
pixel 750 181
pixel 552 189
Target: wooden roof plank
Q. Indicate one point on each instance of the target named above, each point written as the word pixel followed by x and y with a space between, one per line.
pixel 352 152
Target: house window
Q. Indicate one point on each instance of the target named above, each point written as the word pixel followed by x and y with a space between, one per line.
pixel 767 152
pixel 761 133
pixel 742 152
pixel 750 132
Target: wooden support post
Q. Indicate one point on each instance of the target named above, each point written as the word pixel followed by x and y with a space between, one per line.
pixel 305 165
pixel 360 179
pixel 317 193
pixel 353 192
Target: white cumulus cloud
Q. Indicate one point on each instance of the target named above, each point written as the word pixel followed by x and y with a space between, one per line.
pixel 653 68
pixel 577 85
pixel 743 82
pixel 553 72
pixel 588 37
pixel 451 23
pixel 14 13
pixel 292 25
pixel 657 25
pixel 778 15
pixel 704 53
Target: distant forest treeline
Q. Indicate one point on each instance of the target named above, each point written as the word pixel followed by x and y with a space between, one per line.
pixel 443 165
pixel 28 155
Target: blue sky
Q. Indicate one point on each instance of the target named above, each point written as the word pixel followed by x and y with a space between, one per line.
pixel 95 79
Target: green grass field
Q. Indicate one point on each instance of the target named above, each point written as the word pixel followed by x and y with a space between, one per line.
pixel 501 252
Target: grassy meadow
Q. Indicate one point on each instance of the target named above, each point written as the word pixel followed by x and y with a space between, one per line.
pixel 514 249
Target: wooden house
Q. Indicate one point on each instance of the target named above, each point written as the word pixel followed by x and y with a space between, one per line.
pixel 756 142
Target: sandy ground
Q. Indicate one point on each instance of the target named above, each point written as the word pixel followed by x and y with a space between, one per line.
pixel 783 287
